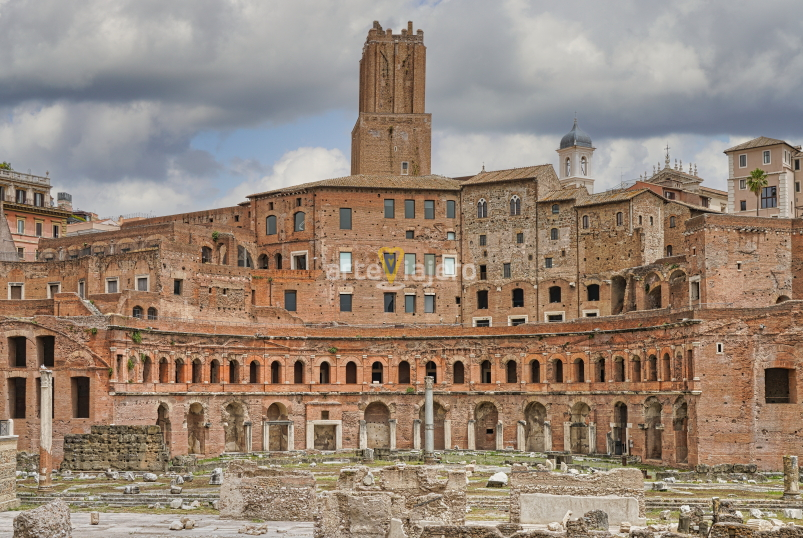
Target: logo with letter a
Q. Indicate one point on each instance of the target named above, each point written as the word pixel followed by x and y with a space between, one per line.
pixel 390 260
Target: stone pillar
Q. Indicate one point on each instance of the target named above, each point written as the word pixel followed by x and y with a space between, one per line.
pixel 547 436
pixel 429 422
pixel 248 434
pixel 447 434
pixel 363 435
pixel 472 442
pixel 592 438
pixel 291 436
pixel 311 435
pixel 500 437
pixel 417 434
pixel 567 436
pixel 791 478
pixel 266 436
pixel 46 430
pixel 520 437
pixel 392 427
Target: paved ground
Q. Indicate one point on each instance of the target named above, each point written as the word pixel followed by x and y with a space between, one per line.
pixel 119 525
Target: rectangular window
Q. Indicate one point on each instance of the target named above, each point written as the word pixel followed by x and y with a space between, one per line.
pixel 769 197
pixel 20 196
pixel 20 227
pixel 483 272
pixel 405 168
pixel 345 262
pixel 450 209
pixel 742 184
pixel 553 318
pixel 519 238
pixel 390 209
pixel 409 264
pixel 429 264
pixel 38 199
pixel 766 155
pixel 517 321
pixel 409 209
pixel 483 240
pixel 111 285
pixel 17 352
pixel 742 205
pixel 345 302
pixel 15 292
pixel 797 186
pixel 345 218
pixel 797 164
pixel 429 209
pixel 16 396
pixel 695 291
pixel 177 285
pixel 449 266
pixel 409 304
pixel 548 263
pixel 409 234
pixel 482 299
pixel 142 283
pixel 56 229
pixel 21 253
pixel 742 161
pixel 80 397
pixel 776 385
pixel 270 225
pixel 39 226
pixel 450 236
pixel 390 302
pixel 482 322
pixel 290 297
pixel 505 270
pixel 299 262
pixel 429 304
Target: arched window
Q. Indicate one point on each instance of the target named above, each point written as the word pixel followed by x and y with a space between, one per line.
pixel 515 206
pixel 432 371
pixel 275 372
pixel 636 369
pixel 671 222
pixel 553 234
pixel 554 294
pixel 152 313
pixel 324 373
pixel 253 372
pixel 518 297
pixel 179 371
pixel 214 371
pixel 137 312
pixel 568 167
pixel 404 372
pixel 459 373
pixel 512 373
pixel 618 369
pixel 262 261
pixel 583 166
pixel 558 370
pixel 601 370
pixel 298 221
pixel 668 250
pixel 278 259
pixel 592 292
pixel 485 372
pixel 535 372
pixel 579 371
pixel 234 372
pixel 351 373
pixel 376 372
pixel 206 255
pixel 298 372
pixel 197 371
pixel 270 225
pixel 639 220
pixel 146 370
pixel 555 209
pixel 620 218
pixel 482 209
pixel 585 221
pixel 244 257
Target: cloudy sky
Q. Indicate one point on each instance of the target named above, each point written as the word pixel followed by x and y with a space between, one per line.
pixel 160 106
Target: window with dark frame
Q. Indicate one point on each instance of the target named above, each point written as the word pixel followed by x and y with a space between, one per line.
pixel 409 234
pixel 769 197
pixel 519 238
pixel 429 209
pixel 483 240
pixel 345 302
pixel 429 304
pixel 450 209
pixel 290 297
pixel 505 270
pixel 409 209
pixel 409 304
pixel 548 263
pixel 518 297
pixel 482 299
pixel 554 294
pixel 177 284
pixel 483 272
pixel 345 218
pixel 390 209
pixel 390 302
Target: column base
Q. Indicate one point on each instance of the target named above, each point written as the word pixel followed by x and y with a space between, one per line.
pixel 790 496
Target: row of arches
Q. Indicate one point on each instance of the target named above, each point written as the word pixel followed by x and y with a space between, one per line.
pixel 515 207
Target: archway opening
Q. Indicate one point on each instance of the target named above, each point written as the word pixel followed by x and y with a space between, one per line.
pixel 253 372
pixel 376 372
pixel 653 445
pixel 512 372
pixel 432 371
pixel 377 424
pixel 619 429
pixel 196 430
pixel 535 417
pixel 163 421
pixel 579 441
pixel 486 417
pixel 323 374
pixel 234 427
pixel 485 372
pixel 351 373
pixel 459 375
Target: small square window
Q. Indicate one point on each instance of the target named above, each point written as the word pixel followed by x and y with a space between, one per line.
pixel 142 283
pixel 409 234
pixel 178 284
pixel 298 202
pixel 450 236
pixel 111 285
pixel 345 302
pixel 720 348
pixel 270 206
pixel 553 318
pixel 548 263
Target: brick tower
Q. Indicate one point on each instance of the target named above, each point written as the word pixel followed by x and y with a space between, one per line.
pixel 393 134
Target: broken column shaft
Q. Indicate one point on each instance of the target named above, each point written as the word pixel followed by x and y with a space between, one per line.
pixel 791 478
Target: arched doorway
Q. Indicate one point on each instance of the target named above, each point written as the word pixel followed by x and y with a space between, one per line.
pixel 298 372
pixel 275 372
pixel 653 446
pixel 439 415
pixel 164 370
pixel 432 371
pixel 146 369
pixel 680 423
pixel 377 371
pixel 619 429
pixel 458 373
pixel 512 372
pixel 163 421
pixel 214 371
pixel 196 431
pixel 323 373
pixel 234 371
pixel 351 373
pixel 277 433
pixel 234 428
pixel 377 424
pixel 486 417
pixel 197 375
pixel 253 372
pixel 535 416
pixel 578 430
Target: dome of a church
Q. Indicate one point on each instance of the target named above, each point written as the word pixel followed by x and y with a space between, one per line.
pixel 575 137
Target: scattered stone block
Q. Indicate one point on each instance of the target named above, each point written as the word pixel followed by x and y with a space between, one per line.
pixel 759 524
pixel 666 514
pixel 176 525
pixel 624 527
pixel 188 478
pixel 596 520
pixel 793 513
pixel 178 481
pixel 217 477
pixel 554 527
pixel 176 503
pixel 659 486
pixel 129 476
pixel 498 480
pixel 51 520
pixel 94 518
pixel 150 477
pixel 175 490
pixel 756 513
pixel 131 490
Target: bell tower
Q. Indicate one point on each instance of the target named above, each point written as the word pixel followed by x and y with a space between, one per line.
pixel 393 134
pixel 574 159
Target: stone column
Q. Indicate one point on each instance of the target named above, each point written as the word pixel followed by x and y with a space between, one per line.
pixel 363 435
pixel 500 436
pixel 592 438
pixel 417 434
pixel 392 427
pixel 429 422
pixel 46 430
pixel 547 436
pixel 567 436
pixel 520 438
pixel 248 434
pixel 291 436
pixel 472 442
pixel 447 434
pixel 311 435
pixel 791 478
pixel 265 436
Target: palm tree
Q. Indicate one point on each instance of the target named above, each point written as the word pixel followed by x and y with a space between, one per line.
pixel 756 182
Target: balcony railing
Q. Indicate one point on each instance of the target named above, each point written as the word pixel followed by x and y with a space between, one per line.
pixel 11 175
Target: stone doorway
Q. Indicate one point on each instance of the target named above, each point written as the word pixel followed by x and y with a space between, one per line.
pixel 196 430
pixel 680 423
pixel 487 417
pixel 278 434
pixel 535 416
pixel 234 427
pixel 653 446
pixel 325 437
pixel 377 424
pixel 163 421
pixel 579 438
pixel 619 429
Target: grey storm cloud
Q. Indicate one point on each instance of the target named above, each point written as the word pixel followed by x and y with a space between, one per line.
pixel 107 91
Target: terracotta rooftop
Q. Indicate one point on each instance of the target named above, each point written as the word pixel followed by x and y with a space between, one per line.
pixel 759 142
pixel 620 195
pixel 572 193
pixel 512 174
pixel 431 183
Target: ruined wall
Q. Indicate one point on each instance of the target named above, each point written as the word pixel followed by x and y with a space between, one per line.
pixel 8 472
pixel 123 448
pixel 252 492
